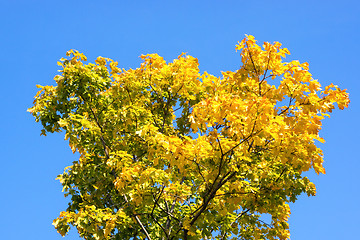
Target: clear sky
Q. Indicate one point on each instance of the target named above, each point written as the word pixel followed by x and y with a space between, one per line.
pixel 36 34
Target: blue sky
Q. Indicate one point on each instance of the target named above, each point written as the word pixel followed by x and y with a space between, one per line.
pixel 36 34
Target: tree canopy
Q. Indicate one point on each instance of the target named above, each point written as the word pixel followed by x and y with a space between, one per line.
pixel 169 153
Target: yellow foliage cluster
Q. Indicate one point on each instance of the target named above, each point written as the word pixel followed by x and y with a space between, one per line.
pixel 169 153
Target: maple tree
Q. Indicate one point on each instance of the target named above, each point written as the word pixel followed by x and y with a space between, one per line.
pixel 169 153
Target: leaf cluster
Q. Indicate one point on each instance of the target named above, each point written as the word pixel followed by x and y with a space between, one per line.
pixel 169 153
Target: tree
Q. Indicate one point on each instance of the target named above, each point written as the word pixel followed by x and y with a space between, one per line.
pixel 169 153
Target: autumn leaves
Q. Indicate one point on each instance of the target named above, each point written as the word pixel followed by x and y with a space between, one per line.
pixel 169 153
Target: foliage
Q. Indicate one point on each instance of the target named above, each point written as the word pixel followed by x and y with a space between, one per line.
pixel 169 153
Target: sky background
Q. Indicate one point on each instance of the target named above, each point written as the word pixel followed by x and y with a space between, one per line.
pixel 36 34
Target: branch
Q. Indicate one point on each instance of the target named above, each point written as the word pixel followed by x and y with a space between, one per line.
pixel 240 215
pixel 138 220
pixel 282 172
pixel 198 166
pixel 128 92
pixel 101 129
pixel 166 111
pixel 287 108
pixel 252 61
pixel 267 67
pixel 212 194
